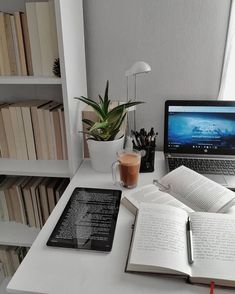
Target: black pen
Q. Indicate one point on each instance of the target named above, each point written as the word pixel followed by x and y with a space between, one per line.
pixel 189 241
pixel 142 140
pixel 134 145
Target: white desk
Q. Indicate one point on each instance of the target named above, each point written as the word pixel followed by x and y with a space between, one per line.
pixel 61 271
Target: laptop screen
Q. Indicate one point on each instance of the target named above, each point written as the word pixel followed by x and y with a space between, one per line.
pixel 203 127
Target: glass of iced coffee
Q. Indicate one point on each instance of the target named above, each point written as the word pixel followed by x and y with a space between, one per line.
pixel 128 165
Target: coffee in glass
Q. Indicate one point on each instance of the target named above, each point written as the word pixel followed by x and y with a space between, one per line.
pixel 128 162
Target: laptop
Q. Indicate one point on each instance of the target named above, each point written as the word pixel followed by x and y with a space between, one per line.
pixel 201 135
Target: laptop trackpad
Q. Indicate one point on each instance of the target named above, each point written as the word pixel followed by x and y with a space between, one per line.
pixel 217 178
pixel 230 181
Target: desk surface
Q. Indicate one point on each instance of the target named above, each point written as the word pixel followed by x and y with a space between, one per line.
pixel 59 270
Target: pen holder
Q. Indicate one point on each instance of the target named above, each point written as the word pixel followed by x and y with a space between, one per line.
pixel 148 159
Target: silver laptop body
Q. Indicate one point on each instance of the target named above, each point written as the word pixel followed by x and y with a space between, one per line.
pixel 201 135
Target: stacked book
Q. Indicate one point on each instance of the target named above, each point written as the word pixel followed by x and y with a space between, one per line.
pixel 29 200
pixel 33 129
pixel 10 259
pixel 28 41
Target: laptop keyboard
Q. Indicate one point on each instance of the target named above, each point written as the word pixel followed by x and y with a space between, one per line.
pixel 204 166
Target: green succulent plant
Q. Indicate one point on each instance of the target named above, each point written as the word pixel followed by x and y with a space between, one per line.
pixel 109 120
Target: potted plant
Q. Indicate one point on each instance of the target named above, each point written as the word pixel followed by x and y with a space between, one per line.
pixel 103 135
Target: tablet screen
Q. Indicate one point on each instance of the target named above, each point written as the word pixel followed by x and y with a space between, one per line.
pixel 88 220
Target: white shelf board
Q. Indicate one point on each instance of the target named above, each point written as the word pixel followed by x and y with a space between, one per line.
pixel 3 285
pixel 32 80
pixel 16 234
pixel 43 168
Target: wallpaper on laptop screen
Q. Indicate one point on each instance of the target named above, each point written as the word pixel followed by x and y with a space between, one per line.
pixel 201 130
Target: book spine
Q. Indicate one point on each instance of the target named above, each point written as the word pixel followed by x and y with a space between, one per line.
pixel 14 258
pixel 5 215
pixel 15 45
pixel 29 207
pixel 34 115
pixel 43 135
pixel 16 206
pixel 37 193
pixel 15 128
pixel 21 134
pixel 6 61
pixel 58 139
pixel 1 58
pixel 45 38
pixel 51 198
pixel 10 44
pixel 9 205
pixel 53 28
pixel 35 208
pixel 49 134
pixel 3 138
pixel 9 132
pixel 20 42
pixel 44 202
pixel 28 126
pixel 34 38
pixel 26 41
pixel 22 205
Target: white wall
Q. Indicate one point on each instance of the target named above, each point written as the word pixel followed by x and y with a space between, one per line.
pixel 182 40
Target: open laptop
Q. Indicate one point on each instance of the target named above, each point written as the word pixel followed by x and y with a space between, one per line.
pixel 201 135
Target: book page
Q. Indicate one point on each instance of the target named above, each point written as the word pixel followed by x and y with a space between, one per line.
pixel 150 194
pixel 196 191
pixel 159 240
pixel 231 210
pixel 213 245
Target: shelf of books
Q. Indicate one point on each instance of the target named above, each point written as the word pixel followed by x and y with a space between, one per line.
pixel 33 138
pixel 39 119
pixel 29 41
pixel 10 259
pixel 25 205
pixel 29 80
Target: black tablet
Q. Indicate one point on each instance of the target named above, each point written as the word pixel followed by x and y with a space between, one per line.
pixel 88 220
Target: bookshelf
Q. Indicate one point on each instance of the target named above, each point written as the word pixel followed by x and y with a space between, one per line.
pixel 71 47
pixel 42 168
pixel 29 80
pixel 15 234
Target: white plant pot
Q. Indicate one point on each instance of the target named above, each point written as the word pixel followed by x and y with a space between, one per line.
pixel 104 153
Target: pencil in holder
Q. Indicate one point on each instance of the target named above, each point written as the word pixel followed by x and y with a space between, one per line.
pixel 146 143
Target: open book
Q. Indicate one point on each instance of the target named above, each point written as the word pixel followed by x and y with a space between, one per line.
pixel 159 244
pixel 183 188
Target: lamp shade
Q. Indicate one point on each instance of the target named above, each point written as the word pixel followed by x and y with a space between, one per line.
pixel 138 67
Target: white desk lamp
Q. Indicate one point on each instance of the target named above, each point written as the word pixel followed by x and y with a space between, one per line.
pixel 137 68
